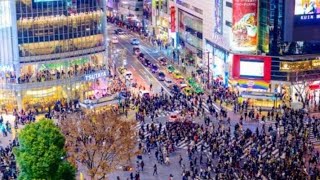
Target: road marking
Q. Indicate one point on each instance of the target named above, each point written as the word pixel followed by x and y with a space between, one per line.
pixel 164 88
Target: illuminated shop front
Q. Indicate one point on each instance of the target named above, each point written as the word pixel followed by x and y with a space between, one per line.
pixel 190 37
pixel 8 100
pixel 219 62
pixel 162 29
pixel 303 79
pixel 92 86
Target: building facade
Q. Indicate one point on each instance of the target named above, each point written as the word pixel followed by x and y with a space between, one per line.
pixel 131 12
pixel 51 51
pixel 228 36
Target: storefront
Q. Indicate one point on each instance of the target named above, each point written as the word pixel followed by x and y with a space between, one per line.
pixel 8 101
pixel 42 99
pixel 260 99
pixel 219 62
pixel 302 80
pixel 162 30
pixel 190 37
pixel 41 96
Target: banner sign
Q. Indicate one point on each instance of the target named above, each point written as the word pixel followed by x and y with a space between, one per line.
pixel 244 30
pixel 218 16
pixel 173 19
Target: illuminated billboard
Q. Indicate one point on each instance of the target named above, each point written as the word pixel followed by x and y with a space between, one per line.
pixel 307 11
pixel 302 20
pixel 251 67
pixel 244 29
pixel 218 16
pixel 307 7
pixel 256 68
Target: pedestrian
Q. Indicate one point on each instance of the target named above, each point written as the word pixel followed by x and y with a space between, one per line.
pixel 180 160
pixel 170 177
pixel 142 165
pixel 155 171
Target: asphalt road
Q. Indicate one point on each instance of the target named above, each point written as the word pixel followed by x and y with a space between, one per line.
pixel 144 77
pixel 141 74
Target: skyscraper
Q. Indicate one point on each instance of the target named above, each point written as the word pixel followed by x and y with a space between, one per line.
pixel 51 50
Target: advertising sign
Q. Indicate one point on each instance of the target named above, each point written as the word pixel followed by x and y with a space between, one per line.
pixel 251 67
pixel 173 19
pixel 256 68
pixel 218 16
pixel 95 76
pixel 307 11
pixel 244 30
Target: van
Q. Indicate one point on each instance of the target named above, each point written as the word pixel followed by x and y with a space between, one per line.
pixel 144 93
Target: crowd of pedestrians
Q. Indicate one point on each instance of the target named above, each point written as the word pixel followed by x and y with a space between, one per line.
pixel 8 167
pixel 217 150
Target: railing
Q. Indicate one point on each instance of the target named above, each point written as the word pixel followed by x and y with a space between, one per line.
pixel 56 82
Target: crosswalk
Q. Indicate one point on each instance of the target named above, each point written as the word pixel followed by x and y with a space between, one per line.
pixel 143 127
pixel 314 140
pixel 161 114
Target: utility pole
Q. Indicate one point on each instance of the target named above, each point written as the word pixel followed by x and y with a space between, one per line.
pixel 208 69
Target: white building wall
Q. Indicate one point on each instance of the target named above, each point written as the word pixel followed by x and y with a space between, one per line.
pixel 129 7
pixel 207 16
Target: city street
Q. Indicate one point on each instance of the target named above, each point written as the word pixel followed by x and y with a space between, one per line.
pixel 160 89
pixel 145 77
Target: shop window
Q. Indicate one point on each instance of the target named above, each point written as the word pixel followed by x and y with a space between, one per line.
pixel 228 23
pixel 229 4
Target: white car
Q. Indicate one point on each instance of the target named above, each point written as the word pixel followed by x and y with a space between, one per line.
pixel 144 93
pixel 128 75
pixel 135 41
pixel 174 116
pixel 168 82
pixel 114 40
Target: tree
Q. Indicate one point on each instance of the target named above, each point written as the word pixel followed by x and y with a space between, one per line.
pixel 301 86
pixel 41 153
pixel 99 142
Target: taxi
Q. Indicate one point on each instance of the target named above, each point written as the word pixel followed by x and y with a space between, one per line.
pixel 198 90
pixel 187 91
pixel 177 75
pixel 122 69
pixel 191 81
pixel 170 69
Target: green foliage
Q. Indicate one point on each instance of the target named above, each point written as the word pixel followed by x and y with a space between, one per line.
pixel 41 152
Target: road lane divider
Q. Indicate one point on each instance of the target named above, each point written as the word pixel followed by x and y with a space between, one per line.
pixel 146 70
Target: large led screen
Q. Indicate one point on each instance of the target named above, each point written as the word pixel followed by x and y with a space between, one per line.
pixel 251 68
pixel 302 20
pixel 307 7
pixel 307 11
pixel 244 29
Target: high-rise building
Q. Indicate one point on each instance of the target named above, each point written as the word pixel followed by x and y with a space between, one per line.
pixel 51 50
